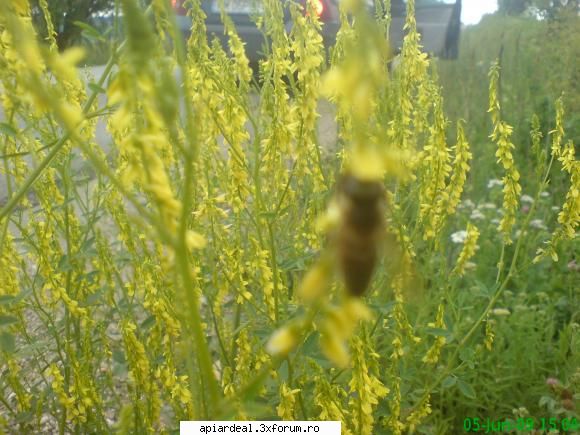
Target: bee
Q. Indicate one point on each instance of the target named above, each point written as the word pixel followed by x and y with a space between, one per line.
pixel 361 205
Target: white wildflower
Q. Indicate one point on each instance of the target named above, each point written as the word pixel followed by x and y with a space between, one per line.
pixel 459 236
pixel 488 206
pixel 494 182
pixel 538 223
pixel 468 203
pixel 527 198
pixel 521 308
pixel 476 214
pixel 554 208
pixel 544 194
pixel 470 265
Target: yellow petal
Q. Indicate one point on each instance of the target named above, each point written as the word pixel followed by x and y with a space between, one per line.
pixel 195 240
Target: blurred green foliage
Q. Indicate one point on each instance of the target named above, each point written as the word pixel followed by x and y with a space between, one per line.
pixel 539 62
pixel 66 13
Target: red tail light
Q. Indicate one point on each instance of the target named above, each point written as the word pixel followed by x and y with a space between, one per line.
pixel 178 7
pixel 317 5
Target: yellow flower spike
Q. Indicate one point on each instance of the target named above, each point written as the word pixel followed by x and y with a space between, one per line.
pixel 21 7
pixel 333 82
pixel 282 341
pixel 338 327
pixel 334 349
pixel 315 283
pixel 362 103
pixel 32 57
pixel 163 194
pixel 117 89
pixel 432 355
pixel 71 116
pixel 351 6
pixel 468 251
pixel 336 321
pixel 489 334
pixel 330 219
pixel 64 65
pixel 195 240
pixel 287 406
pixel 366 164
pixel 502 136
pixel 397 163
pixel 356 310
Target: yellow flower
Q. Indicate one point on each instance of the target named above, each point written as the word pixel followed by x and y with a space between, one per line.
pixel 315 283
pixel 433 353
pixel 367 164
pixel 287 408
pixel 194 240
pixel 64 65
pixel 460 169
pixel 501 135
pixel 469 248
pixel 282 341
pixel 338 326
pixel 70 115
pixel 335 349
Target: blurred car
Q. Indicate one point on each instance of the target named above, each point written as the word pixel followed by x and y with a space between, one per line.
pixel 242 13
pixel 438 23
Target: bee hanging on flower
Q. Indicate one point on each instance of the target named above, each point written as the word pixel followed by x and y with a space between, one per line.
pixel 360 230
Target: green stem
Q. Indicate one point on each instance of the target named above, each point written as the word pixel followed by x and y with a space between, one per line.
pixel 193 318
pixel 274 262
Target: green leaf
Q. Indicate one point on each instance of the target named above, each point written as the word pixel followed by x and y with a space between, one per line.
pixel 268 214
pixel 96 88
pixel 24 417
pixel 310 346
pixel 89 31
pixel 119 356
pixel 7 320
pixel 467 355
pixel 437 332
pixel 483 290
pixel 385 308
pixel 466 389
pixel 7 342
pixel 8 130
pixel 7 299
pixel 95 298
pixel 22 295
pixel 31 349
pixel 449 381
pixel 147 323
pixel 64 264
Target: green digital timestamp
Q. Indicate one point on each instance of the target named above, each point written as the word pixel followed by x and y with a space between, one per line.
pixel 491 425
